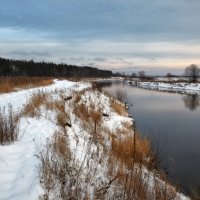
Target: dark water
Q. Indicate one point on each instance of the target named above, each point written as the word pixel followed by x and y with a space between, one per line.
pixel 174 121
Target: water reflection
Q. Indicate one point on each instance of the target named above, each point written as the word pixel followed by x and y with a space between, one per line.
pixel 108 83
pixel 103 83
pixel 167 114
pixel 192 101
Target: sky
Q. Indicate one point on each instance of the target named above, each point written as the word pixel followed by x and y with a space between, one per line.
pixel 156 36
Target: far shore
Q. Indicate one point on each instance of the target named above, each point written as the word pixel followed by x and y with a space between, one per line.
pixel 182 87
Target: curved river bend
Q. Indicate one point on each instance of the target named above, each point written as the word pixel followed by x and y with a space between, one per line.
pixel 174 120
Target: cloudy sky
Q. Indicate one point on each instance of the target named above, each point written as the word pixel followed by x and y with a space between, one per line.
pixel 157 36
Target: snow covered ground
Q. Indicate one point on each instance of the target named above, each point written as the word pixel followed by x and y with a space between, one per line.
pixel 192 88
pixel 19 163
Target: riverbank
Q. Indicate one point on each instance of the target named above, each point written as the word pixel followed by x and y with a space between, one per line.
pixel 182 87
pixel 74 141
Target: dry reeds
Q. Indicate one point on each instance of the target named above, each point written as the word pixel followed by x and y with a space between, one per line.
pixel 8 126
pixel 58 174
pixel 118 107
pixel 60 145
pixel 63 119
pixel 125 151
pixel 9 84
pixel 31 109
pixel 90 117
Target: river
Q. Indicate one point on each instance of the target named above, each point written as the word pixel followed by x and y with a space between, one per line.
pixel 172 121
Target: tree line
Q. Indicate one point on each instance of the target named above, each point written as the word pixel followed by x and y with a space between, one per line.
pixel 192 73
pixel 10 67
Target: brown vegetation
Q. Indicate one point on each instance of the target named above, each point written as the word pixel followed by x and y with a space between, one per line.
pixel 55 170
pixel 138 182
pixel 62 117
pixel 118 107
pixel 41 98
pixel 8 126
pixel 125 151
pixel 31 108
pixel 60 145
pixel 9 84
pixel 90 117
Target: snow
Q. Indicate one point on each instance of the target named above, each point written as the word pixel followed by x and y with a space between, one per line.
pixel 18 161
pixel 192 88
pixel 19 178
pixel 18 169
pixel 18 99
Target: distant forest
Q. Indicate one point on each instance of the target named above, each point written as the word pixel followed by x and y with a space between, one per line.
pixel 9 67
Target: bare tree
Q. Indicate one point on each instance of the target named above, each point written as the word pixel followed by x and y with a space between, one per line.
pixel 133 75
pixel 192 101
pixel 192 72
pixel 141 74
pixel 169 76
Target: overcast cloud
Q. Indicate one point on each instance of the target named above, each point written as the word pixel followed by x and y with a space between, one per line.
pixel 150 35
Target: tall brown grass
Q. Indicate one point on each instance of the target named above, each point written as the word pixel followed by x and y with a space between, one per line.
pixel 118 107
pixel 90 117
pixel 8 125
pixel 31 109
pixel 9 84
pixel 126 152
pixel 63 119
pixel 136 170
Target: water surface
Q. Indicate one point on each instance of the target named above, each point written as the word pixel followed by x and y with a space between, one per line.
pixel 174 120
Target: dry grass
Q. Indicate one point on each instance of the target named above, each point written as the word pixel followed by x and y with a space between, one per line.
pixel 10 84
pixel 136 186
pixel 118 107
pixel 60 145
pixel 82 112
pixel 51 104
pixel 195 192
pixel 8 126
pixel 90 117
pixel 63 119
pixel 128 162
pixel 55 168
pixel 32 108
pixel 74 79
pixel 125 151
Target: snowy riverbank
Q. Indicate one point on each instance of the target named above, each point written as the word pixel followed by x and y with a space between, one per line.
pixel 88 123
pixel 183 87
